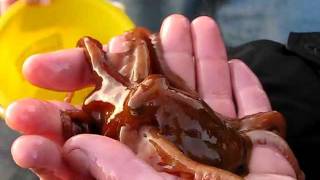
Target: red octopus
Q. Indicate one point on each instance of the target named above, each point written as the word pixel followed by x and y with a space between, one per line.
pixel 143 104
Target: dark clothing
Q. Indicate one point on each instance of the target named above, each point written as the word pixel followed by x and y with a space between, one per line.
pixel 291 77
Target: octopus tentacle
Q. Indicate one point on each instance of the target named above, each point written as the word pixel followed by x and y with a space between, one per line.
pixel 180 164
pixel 271 121
pixel 99 63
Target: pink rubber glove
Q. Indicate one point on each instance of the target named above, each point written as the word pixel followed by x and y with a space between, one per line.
pixel 225 86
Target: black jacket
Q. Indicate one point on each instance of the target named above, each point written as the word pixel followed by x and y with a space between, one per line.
pixel 290 74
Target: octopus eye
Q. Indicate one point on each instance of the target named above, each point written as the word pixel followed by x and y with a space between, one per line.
pixel 138 111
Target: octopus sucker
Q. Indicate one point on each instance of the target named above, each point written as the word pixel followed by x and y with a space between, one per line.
pixel 141 102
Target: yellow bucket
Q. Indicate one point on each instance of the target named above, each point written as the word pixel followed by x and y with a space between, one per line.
pixel 30 29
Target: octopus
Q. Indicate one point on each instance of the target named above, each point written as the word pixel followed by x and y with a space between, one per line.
pixel 141 102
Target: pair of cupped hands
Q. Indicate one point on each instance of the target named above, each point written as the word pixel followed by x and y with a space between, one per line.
pixel 195 51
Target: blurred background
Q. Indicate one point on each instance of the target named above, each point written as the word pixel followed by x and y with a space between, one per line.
pixel 241 21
